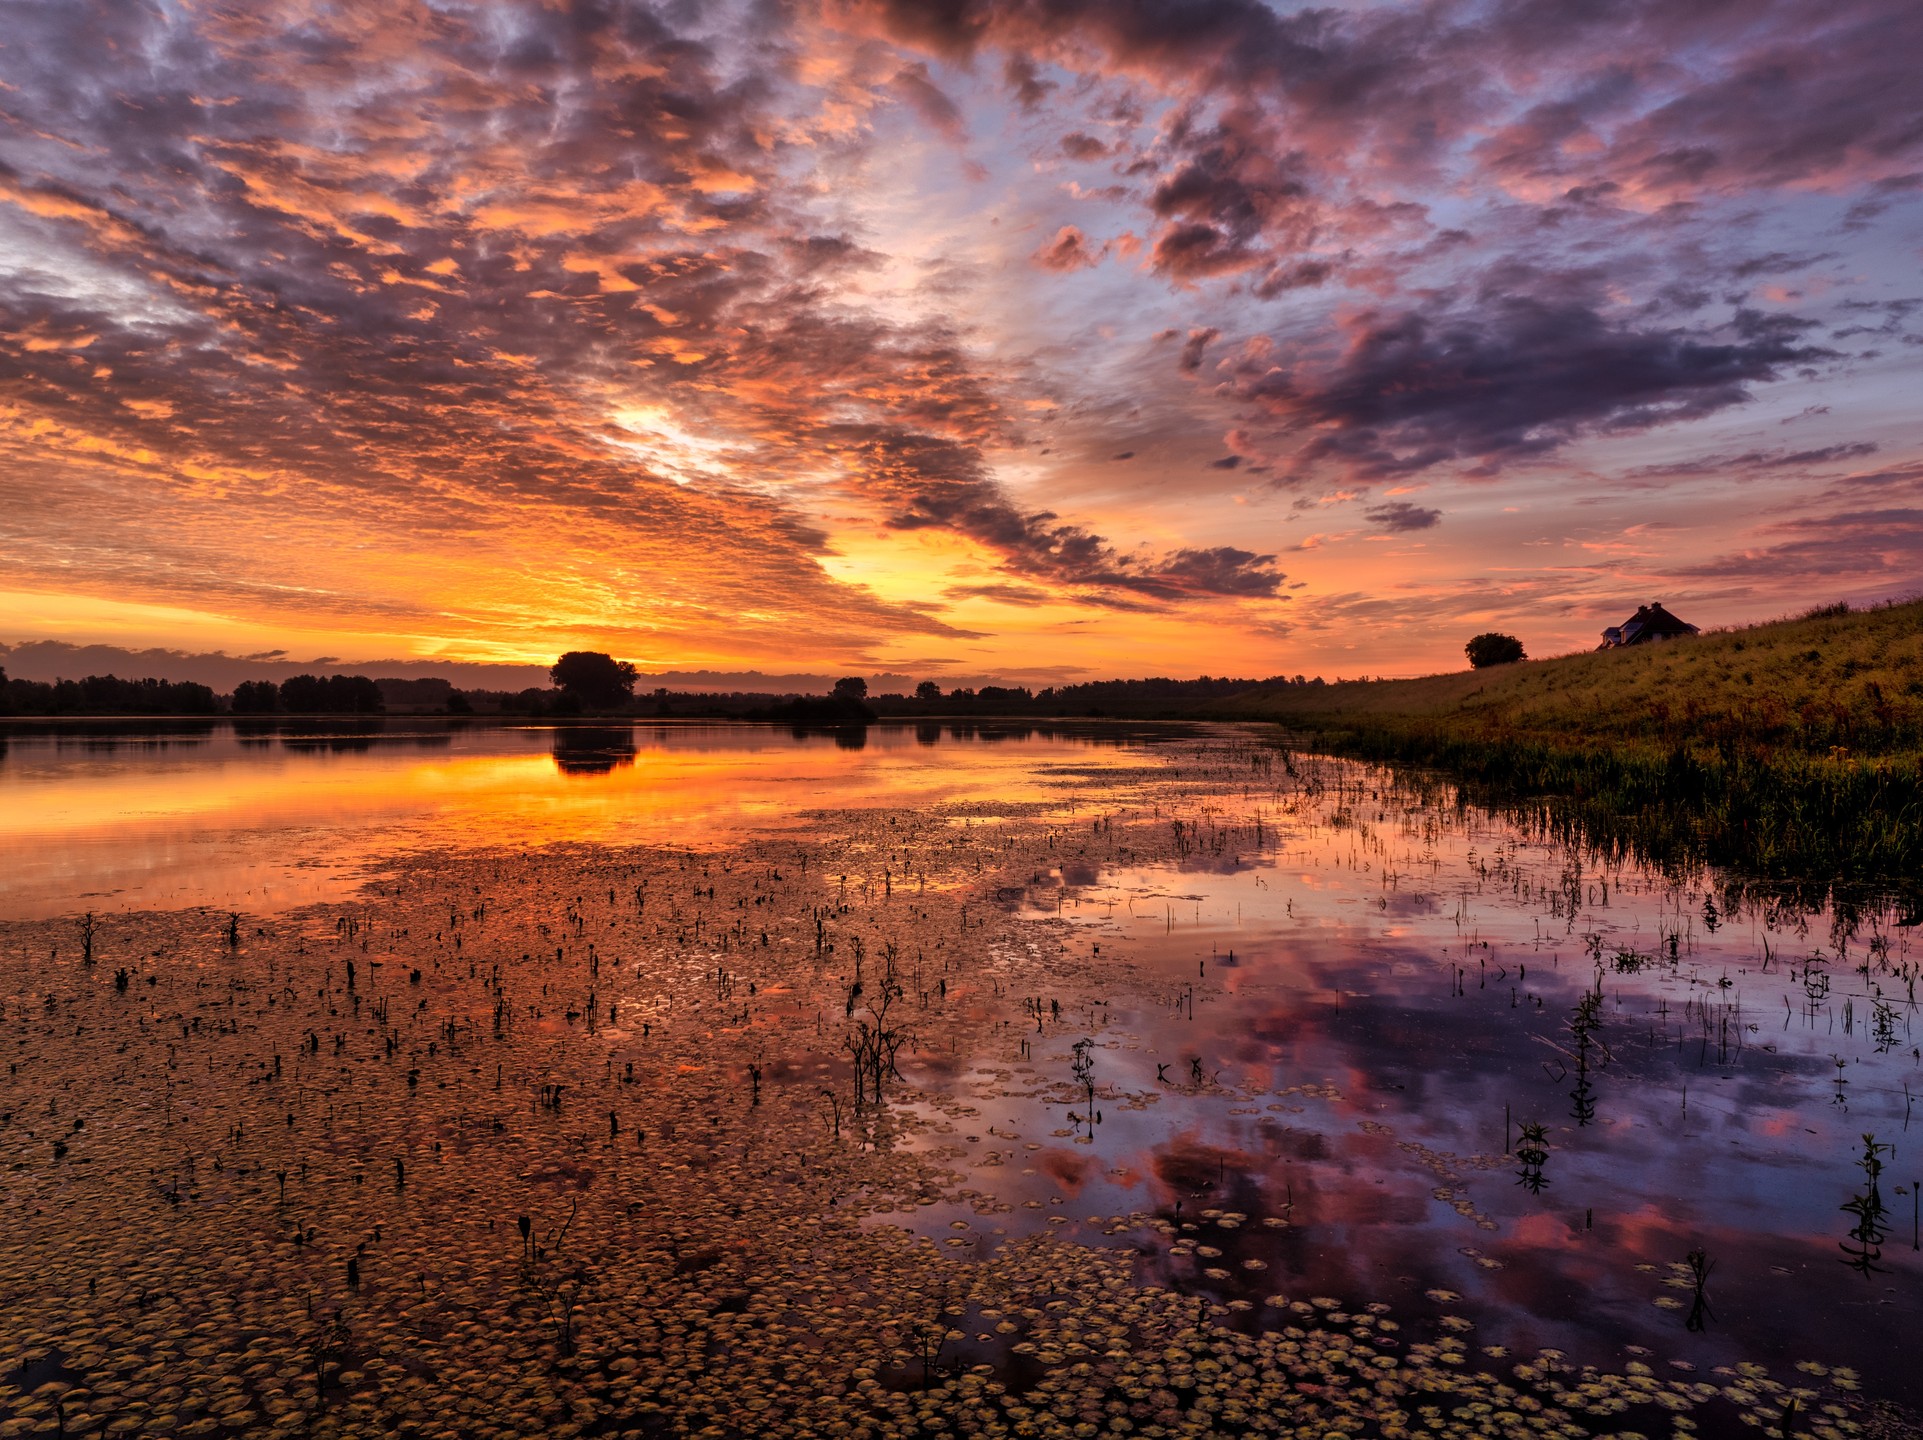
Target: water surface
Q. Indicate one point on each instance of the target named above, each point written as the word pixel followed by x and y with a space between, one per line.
pixel 1340 1040
pixel 1413 1051
pixel 267 816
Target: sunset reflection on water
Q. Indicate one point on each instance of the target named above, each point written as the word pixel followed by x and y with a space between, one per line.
pixel 283 817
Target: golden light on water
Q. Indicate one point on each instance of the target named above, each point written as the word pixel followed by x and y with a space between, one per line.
pixel 286 817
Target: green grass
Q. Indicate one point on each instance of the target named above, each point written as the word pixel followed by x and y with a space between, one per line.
pixel 1792 750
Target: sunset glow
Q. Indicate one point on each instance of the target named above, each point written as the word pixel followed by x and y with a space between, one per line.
pixel 984 337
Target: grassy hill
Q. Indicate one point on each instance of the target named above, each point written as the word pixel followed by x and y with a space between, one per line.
pixel 1832 678
pixel 1792 750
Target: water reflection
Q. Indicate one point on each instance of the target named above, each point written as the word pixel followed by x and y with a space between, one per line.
pixel 581 751
pixel 1413 1051
pixel 1354 1041
pixel 267 814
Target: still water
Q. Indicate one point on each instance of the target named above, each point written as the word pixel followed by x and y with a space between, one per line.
pixel 1413 1051
pixel 269 817
pixel 1352 1040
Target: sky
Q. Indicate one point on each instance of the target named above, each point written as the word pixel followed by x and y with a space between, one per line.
pixel 1039 340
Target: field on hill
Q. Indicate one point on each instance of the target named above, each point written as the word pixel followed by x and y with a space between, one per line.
pixel 1792 750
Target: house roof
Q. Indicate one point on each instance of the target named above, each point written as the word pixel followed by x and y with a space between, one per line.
pixel 1650 622
pixel 1655 620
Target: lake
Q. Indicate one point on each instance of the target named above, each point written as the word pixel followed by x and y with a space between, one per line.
pixel 270 816
pixel 1028 1073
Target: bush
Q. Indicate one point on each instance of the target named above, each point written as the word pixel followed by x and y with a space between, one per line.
pixel 1493 648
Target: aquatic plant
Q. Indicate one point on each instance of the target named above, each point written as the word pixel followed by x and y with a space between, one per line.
pixel 1534 1153
pixel 1700 1266
pixel 1863 1248
pixel 1082 1064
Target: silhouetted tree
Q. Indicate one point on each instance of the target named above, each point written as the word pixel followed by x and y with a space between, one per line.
pixel 303 694
pixel 928 690
pixel 256 697
pixel 593 679
pixel 356 695
pixel 335 695
pixel 851 687
pixel 105 695
pixel 1493 648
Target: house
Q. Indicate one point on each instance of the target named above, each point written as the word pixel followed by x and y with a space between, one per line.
pixel 1650 622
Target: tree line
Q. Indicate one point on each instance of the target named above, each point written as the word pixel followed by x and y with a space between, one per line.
pixel 590 682
pixel 310 695
pixel 105 695
pixel 110 695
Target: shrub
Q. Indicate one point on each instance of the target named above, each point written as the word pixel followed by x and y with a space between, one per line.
pixel 1493 648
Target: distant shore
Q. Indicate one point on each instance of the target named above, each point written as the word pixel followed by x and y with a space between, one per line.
pixel 1791 751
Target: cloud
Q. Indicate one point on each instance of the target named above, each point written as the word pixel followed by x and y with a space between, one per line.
pixel 1221 570
pixel 1192 348
pixel 1727 465
pixel 1030 88
pixel 1040 546
pixel 327 323
pixel 1515 376
pixel 1003 592
pixel 1284 118
pixel 1882 194
pixel 1850 552
pixel 1777 262
pixel 1299 275
pixel 526 334
pixel 62 660
pixel 1226 200
pixel 1399 516
pixel 1067 251
pixel 1894 315
pixel 613 320
pixel 913 85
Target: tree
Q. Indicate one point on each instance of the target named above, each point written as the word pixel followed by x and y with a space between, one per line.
pixel 354 695
pixel 928 690
pixel 335 695
pixel 303 694
pixel 256 697
pixel 1493 648
pixel 595 680
pixel 851 687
